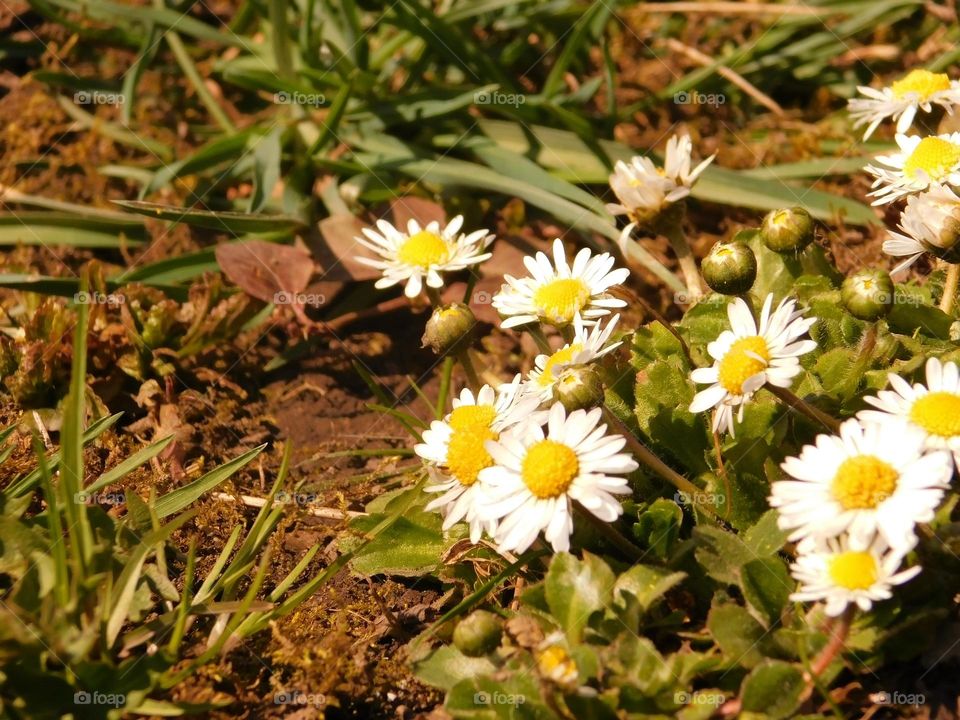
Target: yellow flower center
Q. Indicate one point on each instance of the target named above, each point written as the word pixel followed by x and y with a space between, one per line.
pixel 548 469
pixel 745 358
pixel 938 413
pixel 466 455
pixel 424 249
pixel 555 663
pixel 853 570
pixel 921 83
pixel 560 357
pixel 468 417
pixel 863 481
pixel 559 300
pixel 934 157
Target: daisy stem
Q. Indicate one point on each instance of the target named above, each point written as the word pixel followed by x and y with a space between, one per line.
pixel 434 295
pixel 804 408
pixel 609 532
pixel 646 456
pixel 536 332
pixel 839 631
pixel 688 265
pixel 464 357
pixel 950 288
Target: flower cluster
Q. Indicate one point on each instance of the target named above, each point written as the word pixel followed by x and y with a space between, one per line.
pixel 513 461
pixel 924 169
pixel 854 499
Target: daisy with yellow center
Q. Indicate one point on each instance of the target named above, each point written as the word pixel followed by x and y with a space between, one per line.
pixel 422 253
pixel 558 293
pixel 587 347
pixel 872 478
pixel 933 408
pixel 750 355
pixel 930 224
pixel 917 90
pixel 538 475
pixel 645 190
pixel 842 572
pixel 455 452
pixel 921 163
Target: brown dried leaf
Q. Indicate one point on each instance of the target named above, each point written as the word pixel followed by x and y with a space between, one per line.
pixel 263 269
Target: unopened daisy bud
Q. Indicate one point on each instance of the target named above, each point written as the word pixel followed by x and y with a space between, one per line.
pixel 449 326
pixel 579 388
pixel 556 666
pixel 478 634
pixel 868 294
pixel 788 230
pixel 730 268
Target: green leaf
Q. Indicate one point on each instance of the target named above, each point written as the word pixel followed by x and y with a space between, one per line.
pixel 765 537
pixel 576 589
pixel 737 633
pixel 447 666
pixel 773 688
pixel 411 546
pixel 766 585
pixel 658 527
pixel 177 500
pixel 648 584
pixel 229 222
pixel 56 228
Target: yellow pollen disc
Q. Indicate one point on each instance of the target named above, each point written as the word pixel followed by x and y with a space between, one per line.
pixel 469 417
pixel 921 83
pixel 466 456
pixel 554 661
pixel 560 357
pixel 548 469
pixel 742 362
pixel 424 249
pixel 853 570
pixel 559 300
pixel 938 413
pixel 863 481
pixel 933 156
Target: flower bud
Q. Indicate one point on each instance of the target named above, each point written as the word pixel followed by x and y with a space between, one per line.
pixel 730 268
pixel 478 634
pixel 788 230
pixel 868 294
pixel 946 244
pixel 578 387
pixel 448 326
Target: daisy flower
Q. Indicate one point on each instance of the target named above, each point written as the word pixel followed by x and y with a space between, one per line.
pixel 455 448
pixel 843 572
pixel 557 293
pixel 586 347
pixel 933 408
pixel 917 90
pixel 921 162
pixel 871 478
pixel 538 475
pixel 748 356
pixel 930 223
pixel 644 189
pixel 422 252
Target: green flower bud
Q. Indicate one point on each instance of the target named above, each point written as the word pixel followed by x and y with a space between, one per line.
pixel 947 244
pixel 449 326
pixel 730 268
pixel 478 634
pixel 578 387
pixel 868 294
pixel 788 230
